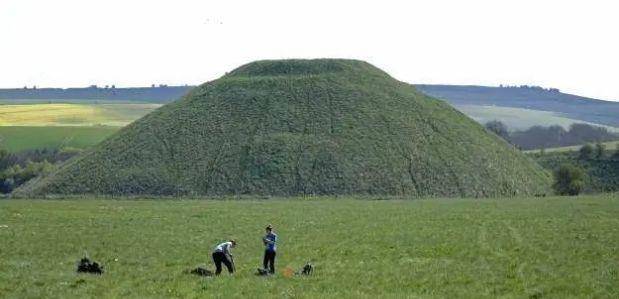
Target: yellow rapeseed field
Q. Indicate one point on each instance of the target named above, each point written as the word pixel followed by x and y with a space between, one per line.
pixel 72 114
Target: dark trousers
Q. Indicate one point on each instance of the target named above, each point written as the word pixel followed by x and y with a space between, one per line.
pixel 218 259
pixel 269 260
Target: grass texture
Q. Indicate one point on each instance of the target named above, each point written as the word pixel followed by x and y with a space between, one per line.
pixel 487 248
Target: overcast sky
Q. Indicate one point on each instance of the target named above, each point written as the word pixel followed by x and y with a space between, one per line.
pixel 571 45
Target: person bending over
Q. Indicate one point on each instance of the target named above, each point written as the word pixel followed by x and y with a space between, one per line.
pixel 222 255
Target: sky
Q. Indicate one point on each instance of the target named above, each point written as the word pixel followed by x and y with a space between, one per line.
pixel 570 45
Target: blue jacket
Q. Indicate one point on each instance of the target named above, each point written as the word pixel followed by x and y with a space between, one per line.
pixel 270 241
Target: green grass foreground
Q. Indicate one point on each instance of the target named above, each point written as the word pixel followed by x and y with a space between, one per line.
pixel 542 247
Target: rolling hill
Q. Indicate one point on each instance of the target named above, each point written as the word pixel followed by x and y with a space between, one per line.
pixel 609 146
pixel 518 107
pixel 300 127
pixel 569 107
pixel 155 94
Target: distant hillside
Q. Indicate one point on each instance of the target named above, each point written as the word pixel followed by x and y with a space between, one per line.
pixel 518 107
pixel 528 97
pixel 157 94
pixel 608 145
pixel 291 127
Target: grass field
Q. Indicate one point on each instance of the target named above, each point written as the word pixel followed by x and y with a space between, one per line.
pixel 66 114
pixel 19 138
pixel 542 247
pixel 79 125
pixel 520 118
pixel 610 146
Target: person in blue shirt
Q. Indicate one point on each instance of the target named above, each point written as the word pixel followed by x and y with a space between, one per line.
pixel 270 248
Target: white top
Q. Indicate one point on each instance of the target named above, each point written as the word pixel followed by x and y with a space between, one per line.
pixel 224 247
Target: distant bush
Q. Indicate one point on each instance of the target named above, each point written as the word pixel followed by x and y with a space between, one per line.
pixel 16 175
pixel 498 128
pixel 569 180
pixel 616 154
pixel 599 150
pixel 18 168
pixel 601 175
pixel 585 152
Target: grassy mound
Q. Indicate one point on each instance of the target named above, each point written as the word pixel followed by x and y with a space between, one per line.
pixel 301 127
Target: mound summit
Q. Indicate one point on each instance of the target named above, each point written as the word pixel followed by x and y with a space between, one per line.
pixel 291 127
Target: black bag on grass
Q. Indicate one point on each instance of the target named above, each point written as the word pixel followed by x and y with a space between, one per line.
pixel 85 265
pixel 201 272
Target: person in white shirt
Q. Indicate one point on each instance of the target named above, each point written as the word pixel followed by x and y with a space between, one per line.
pixel 222 255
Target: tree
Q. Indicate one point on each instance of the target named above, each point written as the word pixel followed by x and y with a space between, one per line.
pixel 586 152
pixel 3 153
pixel 14 176
pixel 616 154
pixel 599 150
pixel 498 128
pixel 569 180
pixel 7 185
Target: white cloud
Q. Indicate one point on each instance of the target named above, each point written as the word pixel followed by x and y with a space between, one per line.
pixel 566 44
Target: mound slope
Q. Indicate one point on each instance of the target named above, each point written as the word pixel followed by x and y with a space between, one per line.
pixel 301 127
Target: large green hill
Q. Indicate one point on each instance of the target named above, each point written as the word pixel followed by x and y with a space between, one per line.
pixel 301 127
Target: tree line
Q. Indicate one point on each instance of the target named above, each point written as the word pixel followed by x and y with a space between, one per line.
pixel 593 168
pixel 18 168
pixel 539 137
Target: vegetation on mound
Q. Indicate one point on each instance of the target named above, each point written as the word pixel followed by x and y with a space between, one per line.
pixel 301 127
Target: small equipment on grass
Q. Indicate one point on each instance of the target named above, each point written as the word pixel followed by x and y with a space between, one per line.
pixel 202 272
pixel 85 265
pixel 308 269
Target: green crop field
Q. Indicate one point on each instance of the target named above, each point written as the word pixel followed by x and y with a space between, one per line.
pixel 520 118
pixel 19 138
pixel 52 125
pixel 508 248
